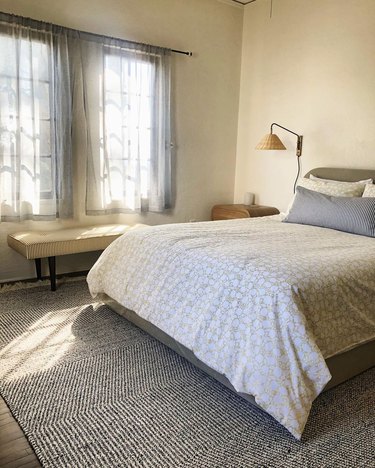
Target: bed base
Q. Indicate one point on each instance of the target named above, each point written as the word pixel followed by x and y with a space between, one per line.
pixel 342 366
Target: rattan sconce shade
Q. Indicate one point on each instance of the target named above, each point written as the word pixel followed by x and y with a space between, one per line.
pixel 270 142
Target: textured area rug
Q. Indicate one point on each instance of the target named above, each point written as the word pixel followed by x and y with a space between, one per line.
pixel 90 389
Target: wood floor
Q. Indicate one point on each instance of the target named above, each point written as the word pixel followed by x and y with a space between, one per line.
pixel 15 450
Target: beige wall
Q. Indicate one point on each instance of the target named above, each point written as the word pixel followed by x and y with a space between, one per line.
pixel 311 68
pixel 205 100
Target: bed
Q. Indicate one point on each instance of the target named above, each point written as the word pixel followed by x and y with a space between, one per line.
pixel 277 312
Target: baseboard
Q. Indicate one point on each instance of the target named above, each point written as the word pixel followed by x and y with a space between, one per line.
pixel 35 280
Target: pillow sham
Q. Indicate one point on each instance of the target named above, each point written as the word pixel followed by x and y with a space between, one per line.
pixel 369 191
pixel 353 215
pixel 366 181
pixel 337 189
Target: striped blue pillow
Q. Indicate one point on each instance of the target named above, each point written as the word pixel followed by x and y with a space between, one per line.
pixel 350 214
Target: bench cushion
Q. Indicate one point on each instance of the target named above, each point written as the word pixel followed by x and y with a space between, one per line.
pixel 40 244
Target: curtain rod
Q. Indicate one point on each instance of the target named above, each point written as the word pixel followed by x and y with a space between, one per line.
pixel 176 51
pixel 189 54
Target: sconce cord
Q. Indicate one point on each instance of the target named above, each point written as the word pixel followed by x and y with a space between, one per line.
pixel 297 176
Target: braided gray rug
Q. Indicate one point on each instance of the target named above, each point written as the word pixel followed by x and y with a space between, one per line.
pixel 89 389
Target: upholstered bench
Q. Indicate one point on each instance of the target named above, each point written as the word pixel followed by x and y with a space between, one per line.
pixel 35 245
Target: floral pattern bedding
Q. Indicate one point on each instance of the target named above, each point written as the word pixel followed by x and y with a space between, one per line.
pixel 260 301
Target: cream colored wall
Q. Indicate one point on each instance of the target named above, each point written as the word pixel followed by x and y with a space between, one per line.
pixel 205 99
pixel 311 68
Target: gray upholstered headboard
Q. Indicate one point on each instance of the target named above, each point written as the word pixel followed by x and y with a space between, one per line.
pixel 345 175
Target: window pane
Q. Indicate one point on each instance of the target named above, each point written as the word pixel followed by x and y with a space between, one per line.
pixel 45 175
pixel 45 138
pixel 113 72
pixel 42 95
pixel 7 51
pixel 34 61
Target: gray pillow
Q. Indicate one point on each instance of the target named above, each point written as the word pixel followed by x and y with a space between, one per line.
pixel 354 215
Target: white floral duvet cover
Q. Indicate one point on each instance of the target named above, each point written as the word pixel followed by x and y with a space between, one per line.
pixel 260 301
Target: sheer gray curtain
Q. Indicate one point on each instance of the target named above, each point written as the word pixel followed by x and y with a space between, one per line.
pixel 127 103
pixel 35 121
pixel 125 88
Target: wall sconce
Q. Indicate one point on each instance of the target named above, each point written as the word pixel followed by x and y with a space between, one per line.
pixel 272 142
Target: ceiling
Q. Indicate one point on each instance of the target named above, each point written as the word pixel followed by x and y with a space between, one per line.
pixel 243 2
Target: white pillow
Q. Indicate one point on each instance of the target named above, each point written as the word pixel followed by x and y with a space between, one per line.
pixel 369 191
pixel 336 189
pixel 333 188
pixel 366 181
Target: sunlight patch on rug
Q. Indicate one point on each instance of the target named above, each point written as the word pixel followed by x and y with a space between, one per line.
pixel 41 346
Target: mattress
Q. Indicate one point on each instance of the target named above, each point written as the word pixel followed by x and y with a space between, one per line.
pixel 260 302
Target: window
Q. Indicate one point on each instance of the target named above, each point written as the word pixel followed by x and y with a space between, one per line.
pixel 127 120
pixel 129 165
pixel 34 143
pixel 25 116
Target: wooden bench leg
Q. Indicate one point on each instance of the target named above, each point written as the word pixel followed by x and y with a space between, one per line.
pixel 38 267
pixel 52 272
